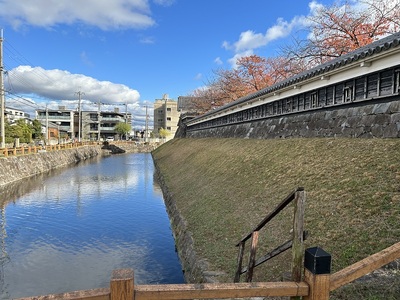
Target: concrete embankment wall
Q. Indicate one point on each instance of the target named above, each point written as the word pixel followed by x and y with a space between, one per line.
pixel 372 119
pixel 19 167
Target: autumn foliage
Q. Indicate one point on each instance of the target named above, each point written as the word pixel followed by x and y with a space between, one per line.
pixel 334 31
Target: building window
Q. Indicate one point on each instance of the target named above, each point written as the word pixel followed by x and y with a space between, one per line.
pixel 386 81
pixel 397 81
pixel 348 94
pixel 168 128
pixel 169 109
pixel 168 119
pixel 314 99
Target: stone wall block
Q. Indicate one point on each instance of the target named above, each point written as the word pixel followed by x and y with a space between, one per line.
pixel 381 108
pixel 391 131
pixel 394 107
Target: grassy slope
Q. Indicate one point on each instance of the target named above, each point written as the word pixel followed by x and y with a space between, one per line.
pixel 224 187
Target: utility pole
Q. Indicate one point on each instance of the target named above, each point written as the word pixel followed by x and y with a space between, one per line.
pixel 80 94
pixel 2 101
pixel 126 117
pixel 98 121
pixel 46 142
pixel 146 128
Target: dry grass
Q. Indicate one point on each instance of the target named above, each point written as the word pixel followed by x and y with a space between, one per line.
pixel 224 187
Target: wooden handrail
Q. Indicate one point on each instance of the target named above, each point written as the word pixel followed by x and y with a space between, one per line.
pixel 296 243
pixel 278 250
pixel 272 214
pixel 34 149
pixel 364 266
pixel 220 290
pixel 192 291
pixel 95 294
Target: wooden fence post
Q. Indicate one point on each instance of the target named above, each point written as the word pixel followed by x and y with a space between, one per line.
pixel 239 262
pixel 252 258
pixel 317 269
pixel 121 285
pixel 298 236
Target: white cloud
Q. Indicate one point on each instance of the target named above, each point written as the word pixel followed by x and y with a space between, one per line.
pixel 226 45
pixel 164 2
pixel 234 59
pixel 85 59
pixel 218 61
pixel 37 87
pixel 198 76
pixel 105 14
pixel 249 40
pixel 314 7
pixel 147 40
pixel 62 85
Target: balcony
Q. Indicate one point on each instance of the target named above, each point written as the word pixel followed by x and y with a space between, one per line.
pixel 107 128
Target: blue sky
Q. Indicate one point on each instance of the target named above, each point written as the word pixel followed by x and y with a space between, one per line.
pixel 134 51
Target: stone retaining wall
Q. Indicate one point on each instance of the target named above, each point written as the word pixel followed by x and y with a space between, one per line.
pixel 372 119
pixel 18 167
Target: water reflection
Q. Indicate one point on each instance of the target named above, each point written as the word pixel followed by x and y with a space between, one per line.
pixel 69 231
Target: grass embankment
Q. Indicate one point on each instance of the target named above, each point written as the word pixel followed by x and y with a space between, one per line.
pixel 224 187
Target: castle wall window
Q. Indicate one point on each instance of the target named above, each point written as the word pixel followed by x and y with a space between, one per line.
pixel 361 87
pixel 313 99
pixel 396 86
pixel 329 95
pixel 386 83
pixel 348 95
pixel 339 93
pixel 301 102
pixel 372 85
pixel 321 97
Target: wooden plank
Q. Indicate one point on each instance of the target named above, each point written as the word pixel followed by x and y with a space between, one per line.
pixel 272 254
pixel 220 290
pixel 271 215
pixel 252 258
pixel 298 243
pixel 239 262
pixel 365 266
pixel 121 284
pixel 96 294
pixel 319 286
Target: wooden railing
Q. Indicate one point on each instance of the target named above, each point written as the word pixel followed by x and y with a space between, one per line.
pixel 6 152
pixel 317 284
pixel 296 243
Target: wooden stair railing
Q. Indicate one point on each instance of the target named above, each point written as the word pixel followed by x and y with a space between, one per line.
pixel 296 243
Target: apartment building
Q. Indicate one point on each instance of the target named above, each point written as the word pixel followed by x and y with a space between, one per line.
pixel 57 123
pixel 13 114
pixel 97 125
pixel 166 115
pixel 88 125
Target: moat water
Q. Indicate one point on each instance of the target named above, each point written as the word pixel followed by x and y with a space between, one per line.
pixel 68 230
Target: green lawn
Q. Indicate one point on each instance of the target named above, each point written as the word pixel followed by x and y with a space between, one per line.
pixel 224 187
